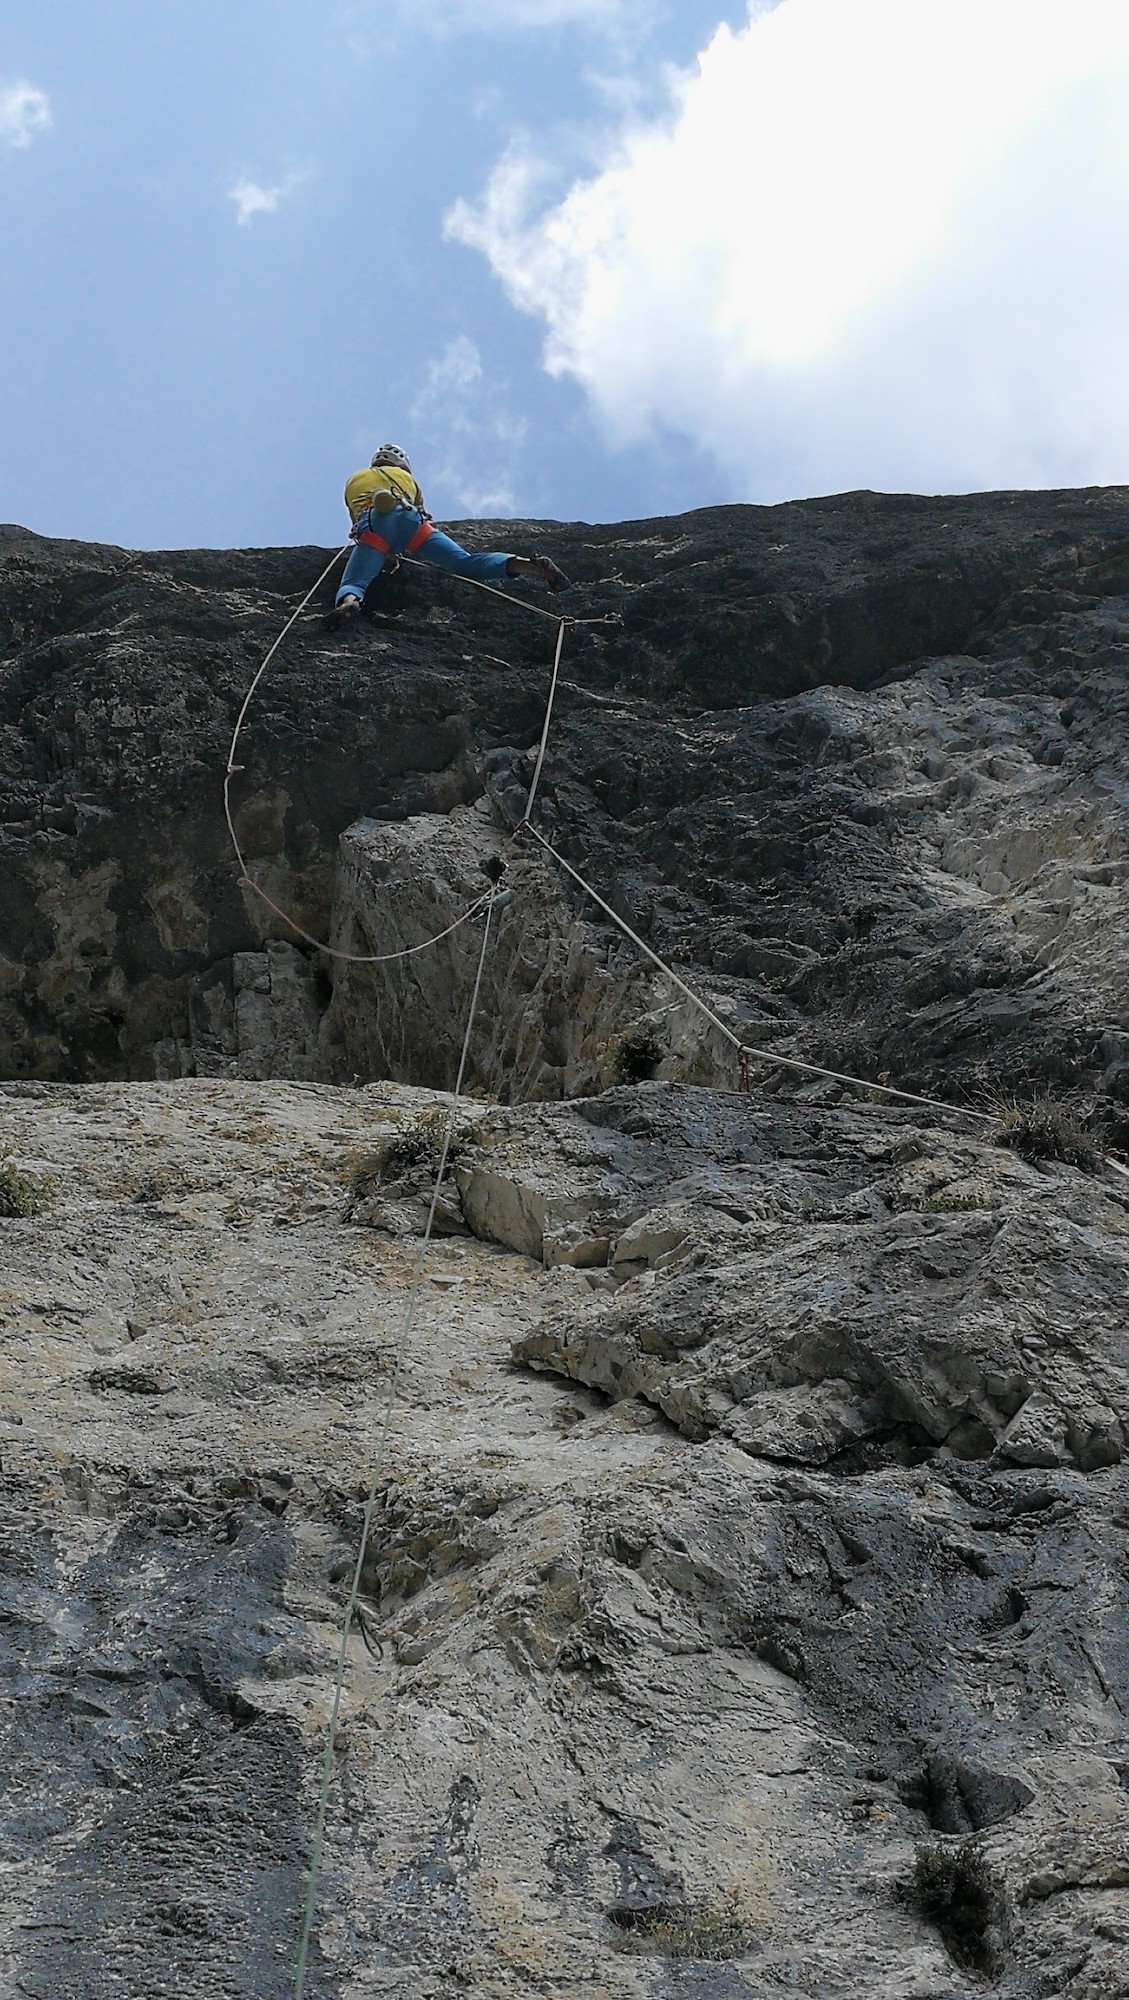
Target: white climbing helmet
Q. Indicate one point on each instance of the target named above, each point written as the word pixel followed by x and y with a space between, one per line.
pixel 390 454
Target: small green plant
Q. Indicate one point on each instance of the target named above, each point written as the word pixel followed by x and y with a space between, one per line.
pixel 707 1932
pixel 24 1194
pixel 1045 1130
pixel 416 1143
pixel 956 1889
pixel 638 1054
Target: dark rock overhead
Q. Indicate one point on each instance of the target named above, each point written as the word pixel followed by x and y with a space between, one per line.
pixel 860 762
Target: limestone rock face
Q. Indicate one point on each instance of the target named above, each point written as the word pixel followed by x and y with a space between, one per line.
pixel 741 1524
pixel 860 763
pixel 552 1010
pixel 753 1506
pixel 811 1311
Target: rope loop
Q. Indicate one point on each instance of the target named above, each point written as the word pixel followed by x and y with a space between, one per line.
pixel 247 881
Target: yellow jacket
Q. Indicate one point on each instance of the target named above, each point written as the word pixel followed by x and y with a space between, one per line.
pixel 361 490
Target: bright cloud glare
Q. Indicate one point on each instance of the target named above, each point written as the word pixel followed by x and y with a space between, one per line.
pixel 25 112
pixel 872 243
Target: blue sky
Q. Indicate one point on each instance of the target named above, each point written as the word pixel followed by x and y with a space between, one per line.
pixel 584 259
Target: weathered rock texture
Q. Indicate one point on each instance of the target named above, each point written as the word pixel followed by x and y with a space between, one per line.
pixel 860 762
pixel 805 1537
pixel 755 1504
pixel 551 1012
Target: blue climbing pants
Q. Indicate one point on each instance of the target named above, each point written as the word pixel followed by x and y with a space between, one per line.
pixel 396 531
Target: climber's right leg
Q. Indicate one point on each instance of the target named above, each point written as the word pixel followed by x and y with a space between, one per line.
pixel 364 564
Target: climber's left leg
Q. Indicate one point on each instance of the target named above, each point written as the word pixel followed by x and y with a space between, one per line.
pixel 447 554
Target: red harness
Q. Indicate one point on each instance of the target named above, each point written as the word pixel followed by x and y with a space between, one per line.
pixel 369 539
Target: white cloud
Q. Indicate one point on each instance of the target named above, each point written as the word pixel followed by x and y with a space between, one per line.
pixel 252 198
pixel 467 434
pixel 870 243
pixel 458 366
pixel 25 112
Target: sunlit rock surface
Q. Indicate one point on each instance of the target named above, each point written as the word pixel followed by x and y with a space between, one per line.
pixel 749 1581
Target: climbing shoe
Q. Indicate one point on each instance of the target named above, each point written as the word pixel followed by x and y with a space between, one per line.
pixel 343 612
pixel 546 569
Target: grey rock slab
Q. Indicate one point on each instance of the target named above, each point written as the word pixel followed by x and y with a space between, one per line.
pixel 605 1666
pixel 923 1306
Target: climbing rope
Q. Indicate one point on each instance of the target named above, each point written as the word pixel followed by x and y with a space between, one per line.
pixel 492 590
pixel 247 880
pixel 522 603
pixel 376 1475
pixel 745 1050
pixel 543 745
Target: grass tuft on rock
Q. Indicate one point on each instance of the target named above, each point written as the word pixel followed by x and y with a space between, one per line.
pixel 709 1933
pixel 1045 1130
pixel 417 1144
pixel 956 1889
pixel 23 1194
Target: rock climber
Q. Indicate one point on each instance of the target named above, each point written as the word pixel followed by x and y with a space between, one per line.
pixel 389 519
